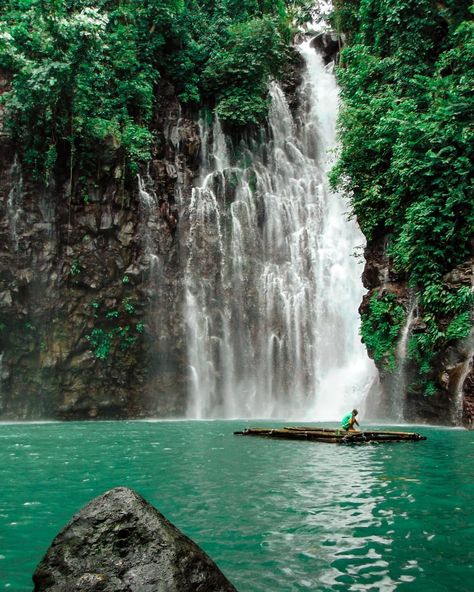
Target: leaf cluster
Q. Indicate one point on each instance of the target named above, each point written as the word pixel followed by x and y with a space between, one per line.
pixel 380 327
pixel 85 73
pixel 407 145
pixel 113 329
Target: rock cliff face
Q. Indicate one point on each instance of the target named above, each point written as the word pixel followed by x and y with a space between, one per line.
pixel 90 286
pixel 92 294
pixel 453 403
pixel 91 278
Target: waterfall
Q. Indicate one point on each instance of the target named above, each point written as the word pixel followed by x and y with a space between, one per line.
pixel 385 264
pixel 457 409
pixel 1 382
pixel 148 214
pixel 272 288
pixel 400 382
pixel 207 330
pixel 153 266
pixel 14 201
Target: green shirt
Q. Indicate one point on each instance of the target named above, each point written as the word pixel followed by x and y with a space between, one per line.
pixel 346 421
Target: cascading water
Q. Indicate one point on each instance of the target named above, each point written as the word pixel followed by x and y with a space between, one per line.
pixel 152 265
pixel 386 265
pixel 400 382
pixel 14 201
pixel 148 213
pixel 1 382
pixel 272 290
pixel 207 330
pixel 457 409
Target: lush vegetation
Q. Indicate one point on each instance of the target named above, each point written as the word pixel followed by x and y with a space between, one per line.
pixel 407 136
pixel 113 328
pixel 381 327
pixel 86 75
pixel 86 72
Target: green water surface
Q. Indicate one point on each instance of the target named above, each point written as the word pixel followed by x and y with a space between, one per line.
pixel 276 515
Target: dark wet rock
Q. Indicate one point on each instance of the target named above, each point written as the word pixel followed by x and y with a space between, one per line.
pixel 292 78
pixel 4 87
pixel 121 543
pixel 328 44
pixel 70 264
pixel 460 275
pixel 453 368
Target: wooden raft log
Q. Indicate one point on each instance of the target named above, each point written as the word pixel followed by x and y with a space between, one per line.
pixel 331 435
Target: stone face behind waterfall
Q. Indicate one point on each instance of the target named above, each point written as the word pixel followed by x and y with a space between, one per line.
pixel 69 266
pixel 328 44
pixel 121 543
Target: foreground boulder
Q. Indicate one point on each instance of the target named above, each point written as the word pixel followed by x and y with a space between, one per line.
pixel 119 542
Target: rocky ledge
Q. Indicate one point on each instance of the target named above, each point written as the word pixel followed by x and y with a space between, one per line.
pixel 453 367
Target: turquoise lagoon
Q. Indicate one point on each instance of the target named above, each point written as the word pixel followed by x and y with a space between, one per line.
pixel 276 516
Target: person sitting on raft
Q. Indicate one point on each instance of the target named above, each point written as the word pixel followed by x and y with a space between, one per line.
pixel 349 420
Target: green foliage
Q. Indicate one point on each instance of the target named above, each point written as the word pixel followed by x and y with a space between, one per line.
pixel 112 329
pixel 438 304
pixel 101 342
pixel 79 78
pixel 85 72
pixel 380 328
pixel 238 70
pixel 422 347
pixel 128 306
pixel 437 299
pixel 75 268
pixel 459 327
pixel 229 50
pixel 407 147
pixel 430 388
pixel 112 314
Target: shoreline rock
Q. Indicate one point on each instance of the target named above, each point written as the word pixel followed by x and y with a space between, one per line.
pixel 120 543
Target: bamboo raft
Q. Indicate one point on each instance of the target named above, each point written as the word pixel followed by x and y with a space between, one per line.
pixel 338 436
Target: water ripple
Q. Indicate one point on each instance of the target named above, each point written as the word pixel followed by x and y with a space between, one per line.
pixel 277 516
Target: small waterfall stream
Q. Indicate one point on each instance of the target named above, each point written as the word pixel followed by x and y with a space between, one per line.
pixel 458 403
pixel 149 212
pixel 152 264
pixel 401 354
pixel 1 382
pixel 14 201
pixel 272 289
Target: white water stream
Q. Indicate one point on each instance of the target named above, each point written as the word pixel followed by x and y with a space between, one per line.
pixel 400 383
pixel 14 201
pixel 272 288
pixel 457 410
pixel 148 215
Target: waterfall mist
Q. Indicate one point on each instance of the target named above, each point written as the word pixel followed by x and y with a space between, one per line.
pixel 272 286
